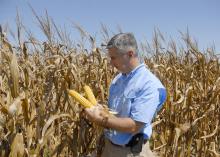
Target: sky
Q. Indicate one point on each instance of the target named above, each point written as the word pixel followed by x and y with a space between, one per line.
pixel 201 17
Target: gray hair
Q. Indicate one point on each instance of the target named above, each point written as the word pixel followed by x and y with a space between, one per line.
pixel 124 42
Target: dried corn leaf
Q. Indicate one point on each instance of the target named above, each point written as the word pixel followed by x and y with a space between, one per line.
pixel 17 146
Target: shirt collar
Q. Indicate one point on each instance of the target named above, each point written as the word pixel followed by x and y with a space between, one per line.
pixel 133 71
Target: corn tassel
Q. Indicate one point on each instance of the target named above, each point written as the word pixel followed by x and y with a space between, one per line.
pixel 83 101
pixel 90 95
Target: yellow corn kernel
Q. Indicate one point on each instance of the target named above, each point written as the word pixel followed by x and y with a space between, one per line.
pixel 83 101
pixel 90 95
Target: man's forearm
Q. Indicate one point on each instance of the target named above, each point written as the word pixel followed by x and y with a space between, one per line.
pixel 122 124
pixel 100 117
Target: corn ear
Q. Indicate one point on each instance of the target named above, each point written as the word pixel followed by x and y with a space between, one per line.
pixel 90 95
pixel 83 101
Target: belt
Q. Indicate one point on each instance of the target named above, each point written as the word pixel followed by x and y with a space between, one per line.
pixel 117 145
pixel 126 145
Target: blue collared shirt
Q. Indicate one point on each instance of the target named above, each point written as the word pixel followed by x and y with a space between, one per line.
pixel 137 95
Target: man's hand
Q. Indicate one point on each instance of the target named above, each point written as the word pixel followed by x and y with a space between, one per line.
pixel 95 114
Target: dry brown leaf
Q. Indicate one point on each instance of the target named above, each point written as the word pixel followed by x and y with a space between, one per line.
pixel 17 146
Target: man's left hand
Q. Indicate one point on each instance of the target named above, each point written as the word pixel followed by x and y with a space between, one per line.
pixel 95 114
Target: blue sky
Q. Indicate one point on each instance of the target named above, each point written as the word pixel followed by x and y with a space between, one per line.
pixel 137 16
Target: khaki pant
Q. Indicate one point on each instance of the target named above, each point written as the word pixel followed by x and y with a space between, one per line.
pixel 111 150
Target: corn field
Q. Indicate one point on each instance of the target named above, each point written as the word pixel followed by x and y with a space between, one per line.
pixel 38 118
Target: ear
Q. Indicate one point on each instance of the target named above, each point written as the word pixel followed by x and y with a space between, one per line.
pixel 130 53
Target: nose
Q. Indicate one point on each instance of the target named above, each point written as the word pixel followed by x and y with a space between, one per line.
pixel 111 63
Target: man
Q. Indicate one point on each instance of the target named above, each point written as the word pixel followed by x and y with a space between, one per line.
pixel 135 94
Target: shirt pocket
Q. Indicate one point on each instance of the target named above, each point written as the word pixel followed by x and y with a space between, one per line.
pixel 125 102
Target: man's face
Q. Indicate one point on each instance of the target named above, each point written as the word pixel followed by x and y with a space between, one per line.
pixel 119 60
